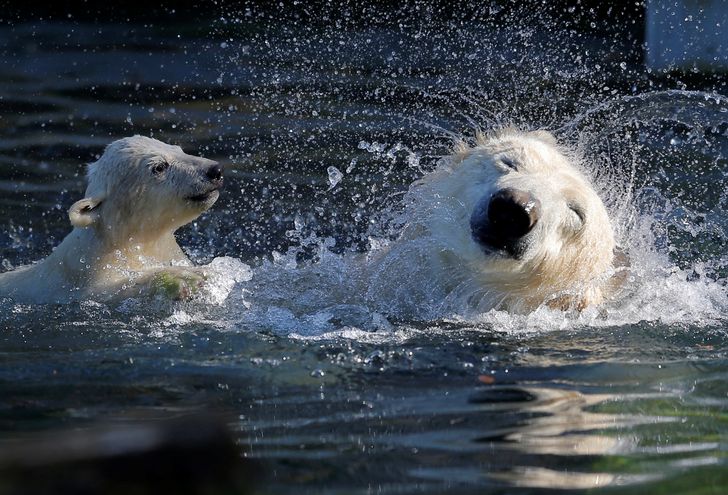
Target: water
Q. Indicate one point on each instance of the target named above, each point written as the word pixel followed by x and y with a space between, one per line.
pixel 337 387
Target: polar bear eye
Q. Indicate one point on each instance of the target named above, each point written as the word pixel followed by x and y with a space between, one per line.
pixel 508 163
pixel 160 167
pixel 579 212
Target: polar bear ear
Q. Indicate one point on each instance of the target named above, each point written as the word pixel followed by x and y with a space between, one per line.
pixel 82 212
pixel 544 136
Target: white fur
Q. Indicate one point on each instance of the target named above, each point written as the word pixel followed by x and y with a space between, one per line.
pixel 567 264
pixel 124 226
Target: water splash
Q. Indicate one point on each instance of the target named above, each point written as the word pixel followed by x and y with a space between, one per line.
pixel 339 295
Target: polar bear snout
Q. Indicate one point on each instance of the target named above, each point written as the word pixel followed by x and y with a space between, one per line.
pixel 208 191
pixel 501 221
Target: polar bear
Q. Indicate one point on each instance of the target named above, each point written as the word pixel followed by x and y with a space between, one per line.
pixel 511 223
pixel 139 192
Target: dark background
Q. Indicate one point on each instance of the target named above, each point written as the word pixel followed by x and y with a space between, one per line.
pixel 587 15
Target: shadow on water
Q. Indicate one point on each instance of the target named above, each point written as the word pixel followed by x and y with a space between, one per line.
pixel 323 127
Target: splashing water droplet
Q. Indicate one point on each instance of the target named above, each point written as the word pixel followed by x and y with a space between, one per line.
pixel 335 176
pixel 298 223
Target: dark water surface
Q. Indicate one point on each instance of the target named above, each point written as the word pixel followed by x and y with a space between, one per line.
pixel 322 127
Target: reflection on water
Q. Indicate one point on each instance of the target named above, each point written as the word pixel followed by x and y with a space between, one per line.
pixel 564 427
pixel 331 392
pixel 454 435
pixel 547 478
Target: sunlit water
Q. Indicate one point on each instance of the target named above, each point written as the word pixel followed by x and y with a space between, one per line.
pixel 337 380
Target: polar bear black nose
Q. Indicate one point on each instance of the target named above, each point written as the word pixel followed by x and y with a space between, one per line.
pixel 214 173
pixel 513 213
pixel 503 219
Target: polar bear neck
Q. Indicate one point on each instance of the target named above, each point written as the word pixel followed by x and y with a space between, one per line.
pixel 86 258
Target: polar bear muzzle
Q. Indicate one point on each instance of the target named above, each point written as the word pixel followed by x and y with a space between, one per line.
pixel 214 176
pixel 500 222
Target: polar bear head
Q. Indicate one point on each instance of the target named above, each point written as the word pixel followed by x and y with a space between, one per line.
pixel 142 188
pixel 524 223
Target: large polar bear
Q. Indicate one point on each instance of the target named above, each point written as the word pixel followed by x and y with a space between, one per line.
pixel 139 192
pixel 512 223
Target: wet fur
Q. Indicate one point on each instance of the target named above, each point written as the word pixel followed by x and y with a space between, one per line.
pixel 565 264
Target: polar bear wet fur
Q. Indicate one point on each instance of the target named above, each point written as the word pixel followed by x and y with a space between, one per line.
pixel 139 192
pixel 512 222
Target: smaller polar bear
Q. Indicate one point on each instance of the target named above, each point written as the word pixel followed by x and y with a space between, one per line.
pixel 510 223
pixel 139 193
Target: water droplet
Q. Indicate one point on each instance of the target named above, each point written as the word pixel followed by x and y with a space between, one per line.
pixel 335 176
pixel 298 223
